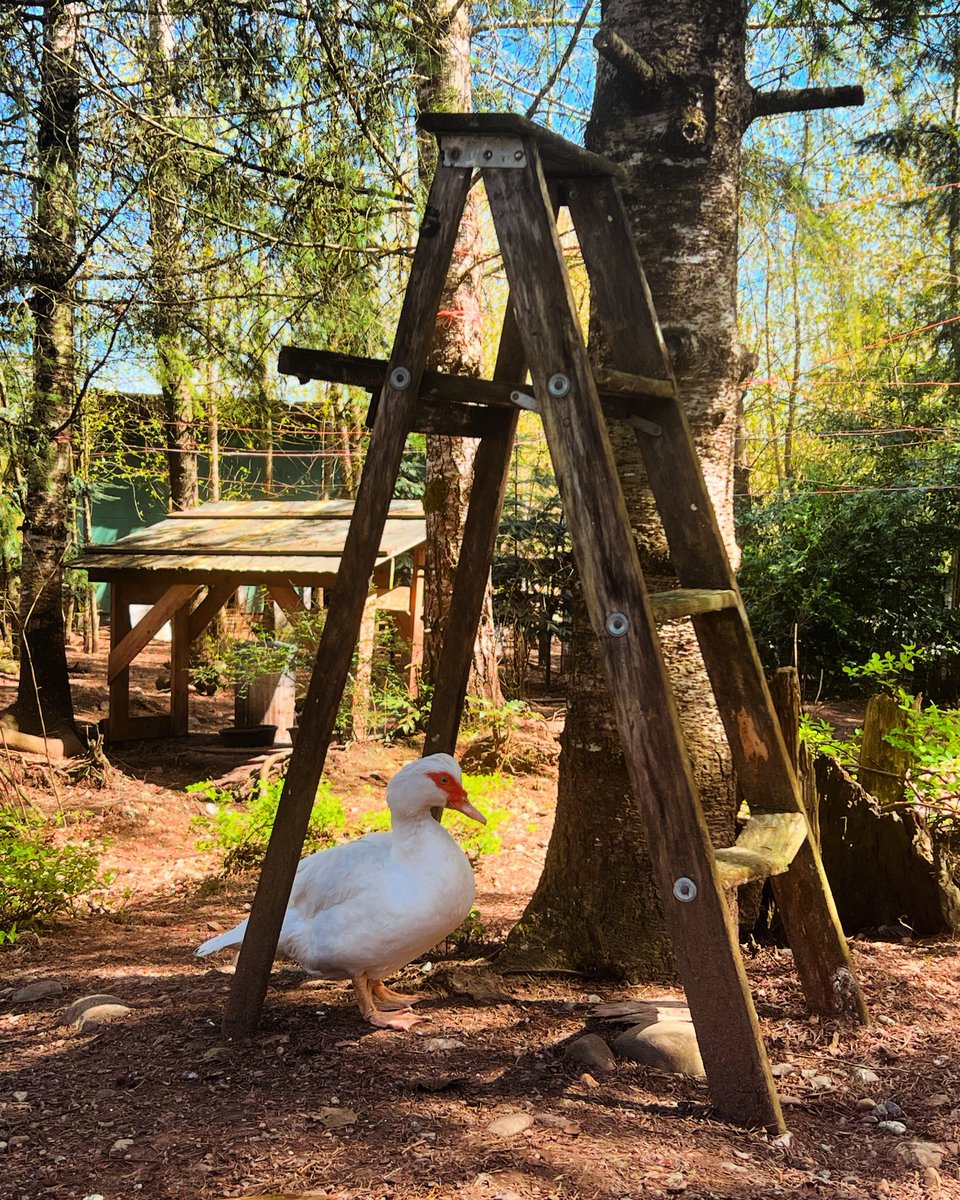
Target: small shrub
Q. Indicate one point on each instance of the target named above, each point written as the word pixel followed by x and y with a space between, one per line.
pixel 240 831
pixel 38 878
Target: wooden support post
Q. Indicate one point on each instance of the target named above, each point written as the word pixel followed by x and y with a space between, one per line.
pixel 697 915
pixel 126 650
pixel 286 598
pixel 118 714
pixel 217 596
pixel 491 472
pixel 621 300
pixel 180 671
pixel 418 316
pixel 416 622
pixel 366 644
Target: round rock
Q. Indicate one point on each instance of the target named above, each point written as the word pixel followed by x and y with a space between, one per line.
pixel 510 1124
pixel 76 1010
pixel 39 990
pixel 591 1053
pixel 668 1046
pixel 101 1014
pixel 918 1154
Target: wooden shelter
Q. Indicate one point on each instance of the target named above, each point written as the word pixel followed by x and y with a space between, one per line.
pixel 188 566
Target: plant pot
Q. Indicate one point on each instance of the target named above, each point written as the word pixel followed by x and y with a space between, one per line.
pixel 248 735
pixel 292 732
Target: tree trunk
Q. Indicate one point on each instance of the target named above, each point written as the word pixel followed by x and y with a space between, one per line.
pixel 165 197
pixel 44 708
pixel 457 349
pixel 679 138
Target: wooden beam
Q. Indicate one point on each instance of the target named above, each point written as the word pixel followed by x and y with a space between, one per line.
pixel 442 395
pixel 136 729
pixel 418 317
pixel 767 846
pixel 703 934
pixel 491 474
pixel 118 713
pixel 415 611
pixel 180 672
pixel 217 596
pixel 288 599
pixel 148 627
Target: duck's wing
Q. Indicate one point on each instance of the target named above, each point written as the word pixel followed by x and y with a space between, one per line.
pixel 337 875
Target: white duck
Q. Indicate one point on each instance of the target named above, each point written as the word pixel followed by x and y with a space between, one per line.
pixel 363 910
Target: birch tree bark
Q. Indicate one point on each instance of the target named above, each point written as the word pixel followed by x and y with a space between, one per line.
pixel 677 133
pixel 43 707
pixel 458 349
pixel 165 194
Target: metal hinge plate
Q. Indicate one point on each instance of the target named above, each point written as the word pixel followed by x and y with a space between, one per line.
pixel 475 150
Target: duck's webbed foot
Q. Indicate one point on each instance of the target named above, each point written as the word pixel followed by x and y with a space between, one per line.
pixel 387 1000
pixel 402 1019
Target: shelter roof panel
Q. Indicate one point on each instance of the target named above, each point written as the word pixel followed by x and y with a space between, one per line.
pixel 249 537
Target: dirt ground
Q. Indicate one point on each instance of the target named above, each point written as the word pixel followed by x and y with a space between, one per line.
pixel 157 1104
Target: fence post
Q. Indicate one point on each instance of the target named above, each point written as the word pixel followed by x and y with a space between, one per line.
pixel 883 768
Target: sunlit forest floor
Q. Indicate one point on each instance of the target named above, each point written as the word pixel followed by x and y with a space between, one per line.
pixel 157 1104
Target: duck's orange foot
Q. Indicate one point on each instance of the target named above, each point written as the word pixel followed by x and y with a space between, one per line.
pixel 398 1020
pixel 388 1000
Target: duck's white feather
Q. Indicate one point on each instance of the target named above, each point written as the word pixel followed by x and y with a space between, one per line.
pixel 369 907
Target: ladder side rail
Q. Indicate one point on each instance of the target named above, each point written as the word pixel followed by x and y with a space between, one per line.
pixel 491 473
pixel 414 334
pixel 697 550
pixel 702 931
pixel 729 652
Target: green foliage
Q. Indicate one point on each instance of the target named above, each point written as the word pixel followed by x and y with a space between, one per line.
pixel 394 713
pixel 887 670
pixel 838 574
pixel 821 738
pixel 468 938
pixel 239 662
pixel 240 831
pixel 40 879
pixel 929 735
pixel 476 840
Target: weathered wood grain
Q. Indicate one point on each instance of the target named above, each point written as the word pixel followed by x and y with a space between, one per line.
pixel 491 472
pixel 767 846
pixel 621 300
pixel 414 334
pixel 217 596
pixel 703 935
pixel 560 157
pixel 147 628
pixel 441 395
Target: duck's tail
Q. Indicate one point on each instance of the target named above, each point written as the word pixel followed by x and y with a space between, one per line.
pixel 233 937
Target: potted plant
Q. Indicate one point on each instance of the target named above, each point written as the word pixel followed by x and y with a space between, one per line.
pixel 261 671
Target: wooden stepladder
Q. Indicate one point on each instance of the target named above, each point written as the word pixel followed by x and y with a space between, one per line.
pixel 528 173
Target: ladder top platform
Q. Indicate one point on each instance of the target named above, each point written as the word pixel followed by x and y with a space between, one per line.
pixel 561 159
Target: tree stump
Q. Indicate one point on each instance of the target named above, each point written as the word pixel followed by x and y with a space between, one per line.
pixel 884 866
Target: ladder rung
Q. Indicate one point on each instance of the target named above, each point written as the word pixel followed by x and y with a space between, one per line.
pixel 690 602
pixel 620 383
pixel 621 395
pixel 766 846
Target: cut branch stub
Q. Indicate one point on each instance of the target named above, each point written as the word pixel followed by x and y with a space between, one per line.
pixel 621 54
pixel 788 100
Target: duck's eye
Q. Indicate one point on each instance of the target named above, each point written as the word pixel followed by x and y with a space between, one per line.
pixel 444 778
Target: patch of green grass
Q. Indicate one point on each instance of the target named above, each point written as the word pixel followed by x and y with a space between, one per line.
pixel 240 830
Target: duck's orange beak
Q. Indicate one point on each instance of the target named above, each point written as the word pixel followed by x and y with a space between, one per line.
pixel 456 796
